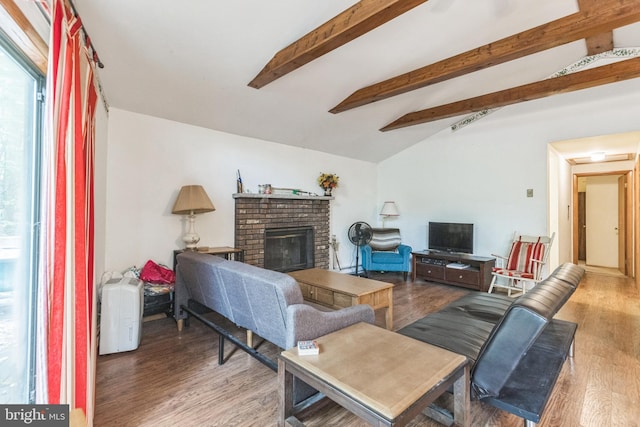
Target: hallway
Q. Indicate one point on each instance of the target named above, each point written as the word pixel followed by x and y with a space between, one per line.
pixel 601 270
pixel 603 378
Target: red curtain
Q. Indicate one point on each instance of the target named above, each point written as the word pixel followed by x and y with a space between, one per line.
pixel 71 103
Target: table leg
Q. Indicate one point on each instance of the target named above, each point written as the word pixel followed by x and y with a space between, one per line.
pixel 461 400
pixel 388 317
pixel 413 268
pixel 389 313
pixel 249 338
pixel 285 393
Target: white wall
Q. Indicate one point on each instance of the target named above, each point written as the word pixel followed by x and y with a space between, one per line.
pixel 149 159
pixel 560 184
pixel 479 177
pixel 480 173
pixel 553 186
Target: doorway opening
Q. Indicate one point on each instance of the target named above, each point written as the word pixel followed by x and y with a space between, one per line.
pixel 602 226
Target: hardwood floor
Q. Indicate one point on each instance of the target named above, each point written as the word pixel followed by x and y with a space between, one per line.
pixel 173 379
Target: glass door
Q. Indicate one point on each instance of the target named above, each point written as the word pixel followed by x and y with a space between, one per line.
pixel 20 133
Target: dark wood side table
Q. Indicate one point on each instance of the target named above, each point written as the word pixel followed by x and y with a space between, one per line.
pixel 225 251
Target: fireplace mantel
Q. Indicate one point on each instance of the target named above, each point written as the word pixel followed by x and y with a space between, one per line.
pixel 279 196
pixel 255 213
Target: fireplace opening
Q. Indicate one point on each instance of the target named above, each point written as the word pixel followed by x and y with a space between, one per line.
pixel 288 249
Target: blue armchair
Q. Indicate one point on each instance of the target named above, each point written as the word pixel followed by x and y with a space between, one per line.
pixel 385 252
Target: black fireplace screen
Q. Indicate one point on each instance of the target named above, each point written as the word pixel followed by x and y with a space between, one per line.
pixel 288 249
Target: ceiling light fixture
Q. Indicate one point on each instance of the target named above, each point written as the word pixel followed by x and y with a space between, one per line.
pixel 597 157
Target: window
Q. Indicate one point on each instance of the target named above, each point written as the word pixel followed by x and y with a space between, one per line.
pixel 20 169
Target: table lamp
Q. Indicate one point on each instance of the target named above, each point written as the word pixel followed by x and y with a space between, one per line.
pixel 388 209
pixel 192 200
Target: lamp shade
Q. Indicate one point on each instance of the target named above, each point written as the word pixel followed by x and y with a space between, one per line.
pixel 192 199
pixel 389 209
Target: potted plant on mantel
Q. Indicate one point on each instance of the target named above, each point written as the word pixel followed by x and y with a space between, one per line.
pixel 328 181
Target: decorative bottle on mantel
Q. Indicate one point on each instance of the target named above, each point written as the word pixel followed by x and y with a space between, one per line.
pixel 240 188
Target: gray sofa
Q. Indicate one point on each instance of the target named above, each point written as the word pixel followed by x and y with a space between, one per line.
pixel 516 346
pixel 265 302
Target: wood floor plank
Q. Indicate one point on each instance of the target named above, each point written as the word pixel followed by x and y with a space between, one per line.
pixel 173 379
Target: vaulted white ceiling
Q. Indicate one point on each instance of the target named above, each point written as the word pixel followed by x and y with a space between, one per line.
pixel 191 61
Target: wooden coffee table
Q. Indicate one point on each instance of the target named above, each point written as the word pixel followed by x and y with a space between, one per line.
pixel 337 290
pixel 385 378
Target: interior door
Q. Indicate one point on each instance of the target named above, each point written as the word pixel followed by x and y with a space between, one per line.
pixel 622 231
pixel 602 221
pixel 582 226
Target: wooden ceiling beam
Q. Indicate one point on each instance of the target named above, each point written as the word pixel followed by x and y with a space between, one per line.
pixel 616 72
pixel 597 43
pixel 355 21
pixel 612 14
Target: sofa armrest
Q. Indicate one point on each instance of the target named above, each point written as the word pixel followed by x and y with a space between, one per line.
pixel 306 323
pixel 405 250
pixel 365 252
pixel 501 261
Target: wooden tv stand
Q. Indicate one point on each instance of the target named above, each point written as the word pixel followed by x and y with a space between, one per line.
pixel 432 266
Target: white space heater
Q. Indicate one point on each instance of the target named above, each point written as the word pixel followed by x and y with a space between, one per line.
pixel 122 305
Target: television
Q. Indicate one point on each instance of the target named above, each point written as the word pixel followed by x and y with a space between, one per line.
pixel 451 237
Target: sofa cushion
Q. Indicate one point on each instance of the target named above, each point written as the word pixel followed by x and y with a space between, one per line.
pixel 260 298
pixel 509 340
pixel 462 326
pixel 515 333
pixel 527 390
pixel 520 264
pixel 386 257
pixel 522 255
pixel 569 273
pixel 199 270
pixel 496 331
pixel 385 239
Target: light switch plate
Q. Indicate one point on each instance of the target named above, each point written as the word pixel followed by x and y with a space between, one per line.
pixel 529 192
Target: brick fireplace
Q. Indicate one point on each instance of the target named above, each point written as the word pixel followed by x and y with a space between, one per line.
pixel 255 213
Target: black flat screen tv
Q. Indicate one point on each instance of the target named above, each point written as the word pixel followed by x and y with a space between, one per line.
pixel 451 237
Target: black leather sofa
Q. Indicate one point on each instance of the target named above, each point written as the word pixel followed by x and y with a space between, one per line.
pixel 516 347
